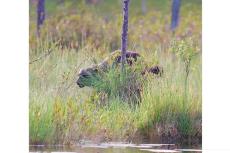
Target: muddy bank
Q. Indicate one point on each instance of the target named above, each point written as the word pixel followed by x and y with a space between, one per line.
pixel 116 147
pixel 159 134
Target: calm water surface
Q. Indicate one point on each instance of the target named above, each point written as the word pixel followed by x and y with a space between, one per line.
pixel 115 148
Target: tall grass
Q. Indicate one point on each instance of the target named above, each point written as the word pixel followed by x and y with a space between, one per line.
pixel 60 112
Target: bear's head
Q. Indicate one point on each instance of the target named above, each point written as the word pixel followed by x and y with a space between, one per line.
pixel 88 77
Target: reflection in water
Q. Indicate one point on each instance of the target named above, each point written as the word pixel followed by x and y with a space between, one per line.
pixel 113 148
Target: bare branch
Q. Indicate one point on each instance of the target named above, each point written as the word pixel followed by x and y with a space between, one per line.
pixel 43 56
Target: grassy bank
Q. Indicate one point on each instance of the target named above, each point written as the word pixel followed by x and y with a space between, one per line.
pixel 77 36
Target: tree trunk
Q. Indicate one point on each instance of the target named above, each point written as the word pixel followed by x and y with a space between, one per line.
pixel 124 33
pixel 175 14
pixel 61 1
pixel 93 1
pixel 40 14
pixel 143 6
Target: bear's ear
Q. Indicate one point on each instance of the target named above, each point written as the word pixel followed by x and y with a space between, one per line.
pixel 156 70
pixel 80 71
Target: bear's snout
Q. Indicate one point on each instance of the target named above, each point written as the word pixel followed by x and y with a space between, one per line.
pixel 79 83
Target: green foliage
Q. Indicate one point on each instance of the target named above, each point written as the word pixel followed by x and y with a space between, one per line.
pixel 186 49
pixel 126 86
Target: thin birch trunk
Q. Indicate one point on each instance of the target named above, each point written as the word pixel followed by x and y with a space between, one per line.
pixel 40 15
pixel 175 14
pixel 143 6
pixel 124 33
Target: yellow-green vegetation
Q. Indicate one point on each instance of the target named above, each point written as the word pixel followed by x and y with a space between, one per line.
pixel 77 35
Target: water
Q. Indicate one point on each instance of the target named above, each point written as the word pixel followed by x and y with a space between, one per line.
pixel 115 148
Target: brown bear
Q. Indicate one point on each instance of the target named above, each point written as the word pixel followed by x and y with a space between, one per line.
pixel 113 59
pixel 90 76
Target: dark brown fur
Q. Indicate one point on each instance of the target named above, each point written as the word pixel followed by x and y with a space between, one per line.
pixel 131 57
